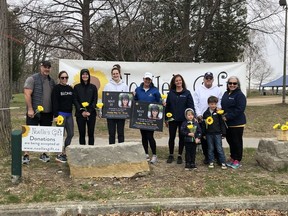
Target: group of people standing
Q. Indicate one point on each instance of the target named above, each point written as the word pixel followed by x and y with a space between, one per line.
pixel 206 117
pixel 41 89
pixel 190 114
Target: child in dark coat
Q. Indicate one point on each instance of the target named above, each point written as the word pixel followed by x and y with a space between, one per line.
pixel 192 132
pixel 213 130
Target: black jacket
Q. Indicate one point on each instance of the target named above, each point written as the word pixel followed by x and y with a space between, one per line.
pixel 218 125
pixel 85 93
pixel 185 131
pixel 177 103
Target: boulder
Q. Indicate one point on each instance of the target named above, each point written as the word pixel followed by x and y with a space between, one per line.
pixel 126 159
pixel 272 154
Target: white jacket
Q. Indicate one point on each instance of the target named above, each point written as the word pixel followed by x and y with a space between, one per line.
pixel 113 86
pixel 201 96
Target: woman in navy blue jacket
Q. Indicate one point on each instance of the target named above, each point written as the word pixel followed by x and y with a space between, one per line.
pixel 178 100
pixel 148 92
pixel 234 103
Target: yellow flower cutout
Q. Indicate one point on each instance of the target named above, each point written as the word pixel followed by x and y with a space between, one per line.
pixel 284 127
pixel 40 108
pixel 60 120
pixel 99 105
pixel 220 112
pixel 169 115
pixel 163 96
pixel 209 120
pixel 277 126
pixel 190 126
pixel 85 104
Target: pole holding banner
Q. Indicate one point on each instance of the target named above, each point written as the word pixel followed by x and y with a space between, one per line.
pixel 16 166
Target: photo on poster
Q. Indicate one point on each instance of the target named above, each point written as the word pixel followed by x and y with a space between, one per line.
pixel 117 105
pixel 155 111
pixel 147 116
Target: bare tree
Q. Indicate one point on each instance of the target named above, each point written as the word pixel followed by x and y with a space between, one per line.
pixel 5 122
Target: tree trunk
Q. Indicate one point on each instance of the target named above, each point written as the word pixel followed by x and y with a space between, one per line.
pixel 5 121
pixel 86 30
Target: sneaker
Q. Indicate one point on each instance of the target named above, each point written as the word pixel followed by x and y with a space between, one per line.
pixel 236 164
pixel 154 159
pixel 179 160
pixel 193 166
pixel 44 157
pixel 230 162
pixel 170 159
pixel 223 166
pixel 61 158
pixel 187 166
pixel 211 166
pixel 147 157
pixel 25 159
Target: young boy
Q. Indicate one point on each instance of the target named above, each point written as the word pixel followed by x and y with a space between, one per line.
pixel 192 132
pixel 214 129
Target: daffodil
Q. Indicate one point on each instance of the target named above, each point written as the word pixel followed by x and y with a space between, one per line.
pixel 99 105
pixel 39 109
pixel 169 116
pixel 85 104
pixel 190 126
pixel 192 129
pixel 284 127
pixel 220 112
pixel 163 96
pixel 60 120
pixel 209 120
pixel 277 126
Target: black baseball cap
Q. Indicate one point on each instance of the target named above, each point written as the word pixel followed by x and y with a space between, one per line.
pixel 45 63
pixel 208 75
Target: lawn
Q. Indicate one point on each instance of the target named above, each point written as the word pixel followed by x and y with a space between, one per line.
pixel 51 182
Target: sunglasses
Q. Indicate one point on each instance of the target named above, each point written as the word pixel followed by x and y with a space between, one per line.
pixel 47 67
pixel 209 78
pixel 64 78
pixel 232 83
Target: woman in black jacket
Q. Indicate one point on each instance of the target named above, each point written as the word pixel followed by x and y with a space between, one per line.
pixel 86 96
pixel 234 103
pixel 178 100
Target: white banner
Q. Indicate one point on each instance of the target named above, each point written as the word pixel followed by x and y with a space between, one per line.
pixel 42 139
pixel 133 72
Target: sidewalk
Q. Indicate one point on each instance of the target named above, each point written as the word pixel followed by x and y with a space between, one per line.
pixel 146 205
pixel 248 142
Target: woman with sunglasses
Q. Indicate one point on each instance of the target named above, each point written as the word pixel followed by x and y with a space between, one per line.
pixel 234 103
pixel 62 101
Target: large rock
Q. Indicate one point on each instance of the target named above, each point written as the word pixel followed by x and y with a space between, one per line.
pixel 272 154
pixel 118 160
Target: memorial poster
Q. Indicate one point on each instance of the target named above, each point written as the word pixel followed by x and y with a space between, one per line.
pixel 147 116
pixel 117 105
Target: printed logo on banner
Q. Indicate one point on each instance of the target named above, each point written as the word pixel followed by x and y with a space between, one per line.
pixel 117 105
pixel 147 116
pixel 42 139
pixel 97 77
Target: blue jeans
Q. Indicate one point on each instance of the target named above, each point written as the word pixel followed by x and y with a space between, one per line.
pixel 215 141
